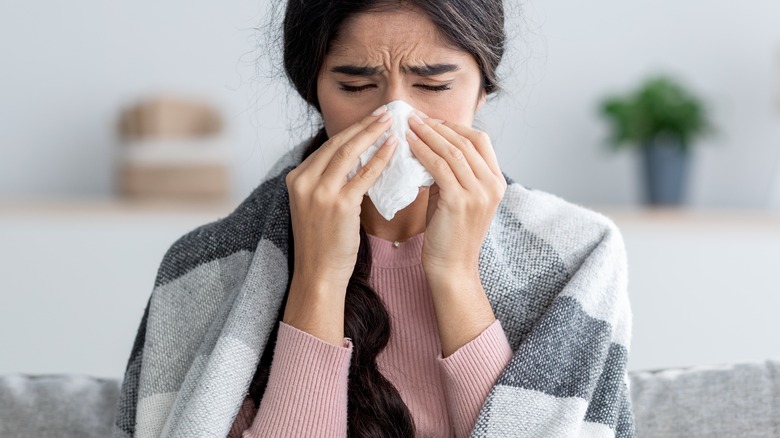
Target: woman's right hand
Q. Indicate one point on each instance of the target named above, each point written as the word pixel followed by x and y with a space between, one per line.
pixel 325 213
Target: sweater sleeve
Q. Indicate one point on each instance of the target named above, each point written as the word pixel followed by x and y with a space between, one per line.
pixel 470 372
pixel 307 388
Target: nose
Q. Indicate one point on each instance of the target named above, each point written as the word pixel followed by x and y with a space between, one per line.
pixel 396 91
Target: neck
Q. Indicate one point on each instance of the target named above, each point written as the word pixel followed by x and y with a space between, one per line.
pixel 406 223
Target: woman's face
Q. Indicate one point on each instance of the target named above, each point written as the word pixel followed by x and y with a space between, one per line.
pixel 384 56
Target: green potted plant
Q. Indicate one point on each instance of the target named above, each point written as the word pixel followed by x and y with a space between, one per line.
pixel 663 120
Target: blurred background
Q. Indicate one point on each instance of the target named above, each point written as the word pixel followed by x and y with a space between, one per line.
pixel 124 125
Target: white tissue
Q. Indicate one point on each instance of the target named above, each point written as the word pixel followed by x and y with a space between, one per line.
pixel 399 183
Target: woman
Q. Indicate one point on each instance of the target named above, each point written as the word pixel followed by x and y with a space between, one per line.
pixel 482 308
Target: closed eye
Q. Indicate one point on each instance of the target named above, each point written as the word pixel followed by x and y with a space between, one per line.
pixel 354 89
pixel 442 87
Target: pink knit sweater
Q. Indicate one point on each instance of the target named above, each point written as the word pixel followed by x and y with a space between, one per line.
pixel 307 387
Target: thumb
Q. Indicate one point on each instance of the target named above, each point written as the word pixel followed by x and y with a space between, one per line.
pixel 433 202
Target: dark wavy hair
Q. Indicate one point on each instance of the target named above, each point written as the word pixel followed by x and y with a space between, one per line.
pixel 375 408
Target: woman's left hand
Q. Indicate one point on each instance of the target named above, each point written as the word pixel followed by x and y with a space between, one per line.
pixel 461 205
pixel 463 199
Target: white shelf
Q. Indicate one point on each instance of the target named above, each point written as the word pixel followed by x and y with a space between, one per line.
pixel 622 215
pixel 85 207
pixel 691 217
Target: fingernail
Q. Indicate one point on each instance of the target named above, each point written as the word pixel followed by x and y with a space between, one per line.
pixel 391 140
pixel 411 135
pixel 421 114
pixel 385 117
pixel 416 119
pixel 380 110
pixel 438 120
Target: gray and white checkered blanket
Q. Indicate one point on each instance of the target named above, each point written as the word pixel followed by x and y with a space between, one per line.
pixel 555 273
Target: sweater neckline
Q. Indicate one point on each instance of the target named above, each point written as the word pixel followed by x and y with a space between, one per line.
pixel 388 254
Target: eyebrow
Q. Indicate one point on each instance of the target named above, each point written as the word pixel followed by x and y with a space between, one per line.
pixel 431 70
pixel 355 70
pixel 419 70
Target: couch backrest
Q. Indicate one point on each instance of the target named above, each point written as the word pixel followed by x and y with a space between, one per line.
pixel 60 406
pixel 739 400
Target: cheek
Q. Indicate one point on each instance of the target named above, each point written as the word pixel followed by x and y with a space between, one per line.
pixel 339 112
pixel 458 107
pixel 329 118
pixel 460 111
pixel 336 114
pixel 464 115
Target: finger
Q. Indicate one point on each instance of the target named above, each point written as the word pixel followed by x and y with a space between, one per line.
pixel 345 157
pixel 481 142
pixel 320 158
pixel 368 174
pixel 433 162
pixel 477 162
pixel 454 156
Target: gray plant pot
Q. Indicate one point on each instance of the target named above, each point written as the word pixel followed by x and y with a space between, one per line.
pixel 665 167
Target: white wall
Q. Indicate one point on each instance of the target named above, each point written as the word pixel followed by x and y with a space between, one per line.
pixel 68 67
pixel 74 286
pixel 703 288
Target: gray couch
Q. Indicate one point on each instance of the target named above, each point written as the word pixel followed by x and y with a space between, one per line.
pixel 740 400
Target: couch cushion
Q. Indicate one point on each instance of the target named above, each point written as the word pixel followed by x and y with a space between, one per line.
pixel 738 400
pixel 61 406
pixel 705 401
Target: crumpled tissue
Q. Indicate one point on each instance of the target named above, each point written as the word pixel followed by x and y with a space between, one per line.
pixel 399 183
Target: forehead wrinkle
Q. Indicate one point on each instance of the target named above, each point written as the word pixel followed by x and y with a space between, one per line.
pixel 376 32
pixel 384 54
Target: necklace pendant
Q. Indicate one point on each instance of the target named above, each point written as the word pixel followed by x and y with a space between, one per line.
pixel 396 244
